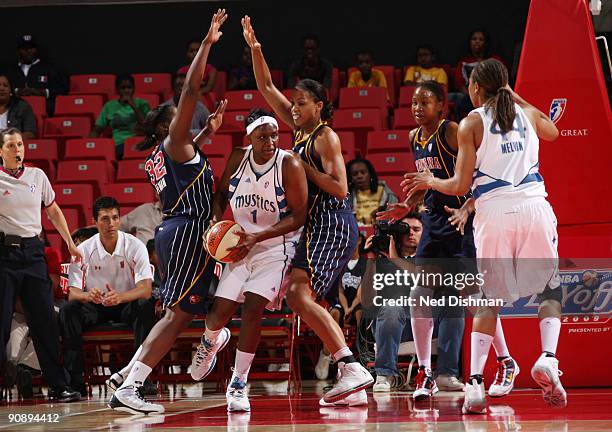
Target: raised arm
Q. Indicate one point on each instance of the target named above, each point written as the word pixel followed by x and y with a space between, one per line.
pixel 279 103
pixel 180 146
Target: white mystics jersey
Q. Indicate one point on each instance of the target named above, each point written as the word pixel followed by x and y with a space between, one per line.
pixel 507 163
pixel 258 200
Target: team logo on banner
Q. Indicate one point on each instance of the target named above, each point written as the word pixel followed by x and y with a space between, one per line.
pixel 557 109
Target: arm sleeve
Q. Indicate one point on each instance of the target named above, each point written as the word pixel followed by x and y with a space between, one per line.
pixel 103 117
pixel 442 77
pixel 409 74
pixel 75 274
pixel 47 194
pixel 353 79
pixel 382 79
pixel 142 267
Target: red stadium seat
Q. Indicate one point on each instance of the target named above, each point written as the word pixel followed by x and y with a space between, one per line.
pixel 79 196
pixel 389 72
pixel 278 78
pixel 405 96
pixel 67 127
pixel 153 83
pixel 131 170
pixel 129 149
pixel 233 122
pixel 220 85
pixel 130 194
pixel 363 97
pixel 39 106
pixel 403 119
pixel 360 121
pixel 89 105
pixel 95 172
pixel 93 84
pixel 43 154
pixel 347 144
pixel 244 100
pixel 335 85
pixel 392 163
pixel 285 140
pixel 152 99
pixel 217 145
pixel 56 241
pixel 217 163
pixel 90 148
pixel 73 216
pixel 391 140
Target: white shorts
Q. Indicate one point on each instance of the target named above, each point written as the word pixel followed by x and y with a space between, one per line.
pixel 516 248
pixel 262 272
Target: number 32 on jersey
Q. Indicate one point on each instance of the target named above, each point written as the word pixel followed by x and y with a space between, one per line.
pixel 156 170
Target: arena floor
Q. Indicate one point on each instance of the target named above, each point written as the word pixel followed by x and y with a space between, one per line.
pixel 189 407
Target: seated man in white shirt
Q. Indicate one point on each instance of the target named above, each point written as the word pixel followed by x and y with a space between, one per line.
pixel 112 283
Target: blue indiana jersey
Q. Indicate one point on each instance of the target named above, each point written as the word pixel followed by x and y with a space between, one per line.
pixel 435 153
pixel 319 201
pixel 185 189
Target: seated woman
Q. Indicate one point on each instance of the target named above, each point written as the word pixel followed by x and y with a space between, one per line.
pixel 367 191
pixel 124 115
pixel 14 111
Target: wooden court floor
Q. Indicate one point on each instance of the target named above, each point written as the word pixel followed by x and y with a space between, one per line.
pixel 192 407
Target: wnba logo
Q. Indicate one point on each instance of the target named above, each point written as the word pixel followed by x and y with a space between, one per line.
pixel 557 109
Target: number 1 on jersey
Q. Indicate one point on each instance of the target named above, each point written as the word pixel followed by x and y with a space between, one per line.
pixel 254 213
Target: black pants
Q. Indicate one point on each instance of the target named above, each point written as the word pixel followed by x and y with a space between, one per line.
pixel 23 273
pixel 76 317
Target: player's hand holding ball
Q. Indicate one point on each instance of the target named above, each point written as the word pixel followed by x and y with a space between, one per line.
pixel 224 242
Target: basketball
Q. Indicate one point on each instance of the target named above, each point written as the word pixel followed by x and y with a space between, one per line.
pixel 219 238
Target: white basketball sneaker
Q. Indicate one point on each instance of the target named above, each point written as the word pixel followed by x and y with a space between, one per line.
pixel 131 400
pixel 353 378
pixel 237 396
pixel 507 370
pixel 546 373
pixel 426 385
pixel 115 381
pixel 356 399
pixel 475 401
pixel 205 357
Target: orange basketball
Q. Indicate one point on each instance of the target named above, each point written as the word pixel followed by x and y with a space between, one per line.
pixel 219 238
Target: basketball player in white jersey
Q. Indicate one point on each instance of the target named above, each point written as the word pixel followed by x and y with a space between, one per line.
pixel 514 227
pixel 268 194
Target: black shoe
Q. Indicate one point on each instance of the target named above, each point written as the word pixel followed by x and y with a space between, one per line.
pixel 24 382
pixel 10 374
pixel 65 394
pixel 149 388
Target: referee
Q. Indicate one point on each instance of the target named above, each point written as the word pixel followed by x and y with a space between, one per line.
pixel 23 269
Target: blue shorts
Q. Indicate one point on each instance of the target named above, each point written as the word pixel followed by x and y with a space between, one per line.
pixel 188 276
pixel 325 247
pixel 441 240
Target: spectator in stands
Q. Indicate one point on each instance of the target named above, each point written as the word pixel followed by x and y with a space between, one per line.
pixel 34 76
pixel 142 221
pixel 241 77
pixel 210 73
pixel 125 116
pixel 346 307
pixel 311 65
pixel 424 70
pixel 480 49
pixel 14 111
pixel 366 75
pixel 200 113
pixel 22 362
pixel 82 234
pixel 367 191
pixel 112 283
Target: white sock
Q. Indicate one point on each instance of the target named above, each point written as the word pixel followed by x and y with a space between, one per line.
pixel 499 341
pixel 211 335
pixel 242 365
pixel 137 375
pixel 342 352
pixel 422 331
pixel 481 343
pixel 126 370
pixel 549 334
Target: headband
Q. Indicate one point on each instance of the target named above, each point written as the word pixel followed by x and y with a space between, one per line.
pixel 261 121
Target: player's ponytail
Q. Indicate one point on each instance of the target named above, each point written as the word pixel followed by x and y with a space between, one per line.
pixel 154 118
pixel 319 94
pixel 492 76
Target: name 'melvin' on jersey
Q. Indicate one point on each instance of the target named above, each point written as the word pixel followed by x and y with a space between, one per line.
pixel 511 147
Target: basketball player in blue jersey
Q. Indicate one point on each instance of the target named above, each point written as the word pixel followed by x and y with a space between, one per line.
pixel 434 144
pixel 182 177
pixel 330 235
pixel 268 194
pixel 514 227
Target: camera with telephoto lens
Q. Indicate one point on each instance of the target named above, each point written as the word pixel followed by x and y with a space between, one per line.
pixel 384 229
